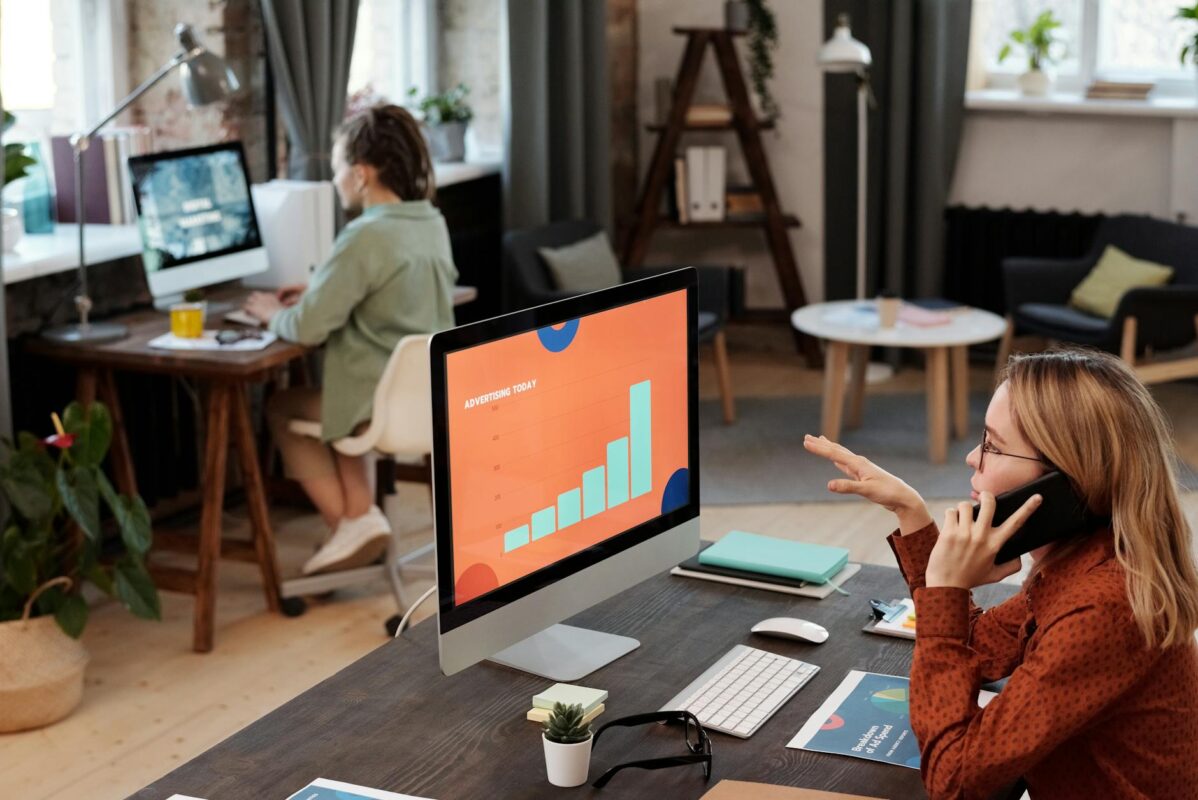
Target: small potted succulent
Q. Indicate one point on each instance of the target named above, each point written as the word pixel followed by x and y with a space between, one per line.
pixel 446 116
pixel 52 541
pixel 567 746
pixel 1038 41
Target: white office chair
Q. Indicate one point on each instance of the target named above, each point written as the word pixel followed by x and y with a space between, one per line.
pixel 401 426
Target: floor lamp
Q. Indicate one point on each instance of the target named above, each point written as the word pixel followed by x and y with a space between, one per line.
pixel 206 78
pixel 843 53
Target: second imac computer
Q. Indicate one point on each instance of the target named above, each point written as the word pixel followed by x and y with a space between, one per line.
pixel 197 219
pixel 565 470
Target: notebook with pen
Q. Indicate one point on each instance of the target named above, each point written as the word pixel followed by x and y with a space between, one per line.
pixel 780 558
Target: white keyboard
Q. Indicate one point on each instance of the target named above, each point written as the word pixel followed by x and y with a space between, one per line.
pixel 742 690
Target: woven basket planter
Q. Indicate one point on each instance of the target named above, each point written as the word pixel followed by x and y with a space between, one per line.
pixel 41 673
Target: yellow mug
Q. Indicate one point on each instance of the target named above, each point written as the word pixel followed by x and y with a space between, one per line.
pixel 187 320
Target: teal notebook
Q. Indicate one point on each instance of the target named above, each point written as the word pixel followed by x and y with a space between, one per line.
pixel 815 563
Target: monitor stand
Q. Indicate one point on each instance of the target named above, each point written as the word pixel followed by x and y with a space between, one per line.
pixel 565 653
pixel 215 308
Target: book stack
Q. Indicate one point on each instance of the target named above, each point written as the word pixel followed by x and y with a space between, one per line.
pixel 1118 90
pixel 743 202
pixel 591 701
pixel 107 184
pixel 708 114
pixel 776 565
pixel 699 177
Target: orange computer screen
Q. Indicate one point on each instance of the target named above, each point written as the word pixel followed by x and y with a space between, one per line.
pixel 562 437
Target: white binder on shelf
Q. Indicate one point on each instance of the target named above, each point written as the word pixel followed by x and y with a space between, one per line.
pixel 696 183
pixel 713 193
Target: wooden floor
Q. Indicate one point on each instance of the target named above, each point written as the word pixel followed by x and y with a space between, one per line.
pixel 150 703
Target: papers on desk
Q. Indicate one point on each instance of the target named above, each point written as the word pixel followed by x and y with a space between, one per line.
pixel 168 341
pixel 325 789
pixel 868 717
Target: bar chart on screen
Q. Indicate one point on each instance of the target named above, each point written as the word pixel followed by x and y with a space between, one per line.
pixel 563 437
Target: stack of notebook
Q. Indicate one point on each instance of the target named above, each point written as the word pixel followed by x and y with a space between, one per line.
pixel 765 562
pixel 591 701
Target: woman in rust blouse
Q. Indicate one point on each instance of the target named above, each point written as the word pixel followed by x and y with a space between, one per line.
pixel 1099 648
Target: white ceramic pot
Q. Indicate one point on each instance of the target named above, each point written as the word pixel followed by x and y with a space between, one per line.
pixel 447 141
pixel 1035 83
pixel 13 229
pixel 736 15
pixel 567 764
pixel 41 673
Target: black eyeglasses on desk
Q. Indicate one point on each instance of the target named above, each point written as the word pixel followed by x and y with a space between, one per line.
pixel 696 741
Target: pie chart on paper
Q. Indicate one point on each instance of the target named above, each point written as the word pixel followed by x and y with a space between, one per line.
pixel 892 701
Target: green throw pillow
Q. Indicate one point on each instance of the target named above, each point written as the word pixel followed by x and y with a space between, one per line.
pixel 1112 277
pixel 583 266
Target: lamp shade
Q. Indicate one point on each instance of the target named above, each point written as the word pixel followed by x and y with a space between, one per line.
pixel 843 53
pixel 206 77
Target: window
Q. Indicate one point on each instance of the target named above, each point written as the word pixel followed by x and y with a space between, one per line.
pixel 1121 40
pixel 53 78
pixel 394 49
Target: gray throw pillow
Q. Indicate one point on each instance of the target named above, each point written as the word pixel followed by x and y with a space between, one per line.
pixel 583 266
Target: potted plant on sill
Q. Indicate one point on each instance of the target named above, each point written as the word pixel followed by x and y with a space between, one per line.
pixel 567 746
pixel 446 116
pixel 1038 41
pixel 50 545
pixel 17 162
pixel 1189 53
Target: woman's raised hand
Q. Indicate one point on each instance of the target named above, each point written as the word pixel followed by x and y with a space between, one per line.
pixel 866 479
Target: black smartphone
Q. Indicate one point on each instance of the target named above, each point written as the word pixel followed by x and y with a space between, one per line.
pixel 1062 515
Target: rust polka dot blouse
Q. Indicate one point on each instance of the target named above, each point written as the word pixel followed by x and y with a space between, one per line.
pixel 1088 710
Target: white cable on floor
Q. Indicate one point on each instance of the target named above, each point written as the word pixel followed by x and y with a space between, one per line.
pixel 403 623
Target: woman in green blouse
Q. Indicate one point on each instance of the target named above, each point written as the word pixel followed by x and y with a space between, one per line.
pixel 390 274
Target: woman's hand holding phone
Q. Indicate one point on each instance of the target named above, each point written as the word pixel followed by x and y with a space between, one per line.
pixel 964 552
pixel 866 479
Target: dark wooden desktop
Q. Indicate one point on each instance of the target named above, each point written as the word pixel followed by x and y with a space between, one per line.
pixel 392 721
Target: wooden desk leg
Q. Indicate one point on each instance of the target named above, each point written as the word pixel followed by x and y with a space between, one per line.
pixel 85 386
pixel 937 367
pixel 255 494
pixel 215 450
pixel 120 455
pixel 960 383
pixel 834 370
pixel 860 358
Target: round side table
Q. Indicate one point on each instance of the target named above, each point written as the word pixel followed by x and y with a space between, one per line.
pixel 846 329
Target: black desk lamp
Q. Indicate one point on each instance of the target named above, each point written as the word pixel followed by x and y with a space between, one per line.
pixel 206 78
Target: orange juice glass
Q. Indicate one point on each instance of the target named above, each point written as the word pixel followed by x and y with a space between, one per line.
pixel 187 320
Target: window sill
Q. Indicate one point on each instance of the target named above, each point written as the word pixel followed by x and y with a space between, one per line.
pixel 1011 101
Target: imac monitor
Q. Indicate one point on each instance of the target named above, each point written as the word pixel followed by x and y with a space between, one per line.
pixel 196 218
pixel 565 463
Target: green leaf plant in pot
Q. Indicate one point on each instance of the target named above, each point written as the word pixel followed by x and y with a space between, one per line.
pixel 1039 42
pixel 17 162
pixel 1189 51
pixel 52 492
pixel 567 746
pixel 446 116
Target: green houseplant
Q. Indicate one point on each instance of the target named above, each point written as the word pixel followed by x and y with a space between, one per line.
pixel 1189 53
pixel 763 38
pixel 17 162
pixel 51 543
pixel 1038 41
pixel 567 746
pixel 446 116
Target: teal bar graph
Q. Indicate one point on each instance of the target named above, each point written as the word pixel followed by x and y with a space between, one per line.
pixel 569 508
pixel 593 499
pixel 544 522
pixel 517 537
pixel 640 436
pixel 617 472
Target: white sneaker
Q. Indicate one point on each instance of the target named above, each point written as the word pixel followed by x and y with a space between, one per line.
pixel 357 542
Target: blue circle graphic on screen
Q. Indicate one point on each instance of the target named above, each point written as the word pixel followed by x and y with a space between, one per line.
pixel 556 340
pixel 677 491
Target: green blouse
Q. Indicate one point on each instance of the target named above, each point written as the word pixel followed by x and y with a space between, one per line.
pixel 390 274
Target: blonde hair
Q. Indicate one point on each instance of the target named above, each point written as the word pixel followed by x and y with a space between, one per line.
pixel 1087 413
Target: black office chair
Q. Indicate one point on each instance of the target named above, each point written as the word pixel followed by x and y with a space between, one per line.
pixel 1147 320
pixel 528 282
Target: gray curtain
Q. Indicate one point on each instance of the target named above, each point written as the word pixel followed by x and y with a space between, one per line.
pixel 920 49
pixel 310 44
pixel 557 124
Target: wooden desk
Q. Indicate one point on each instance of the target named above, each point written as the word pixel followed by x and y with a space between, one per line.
pixel 392 721
pixel 224 377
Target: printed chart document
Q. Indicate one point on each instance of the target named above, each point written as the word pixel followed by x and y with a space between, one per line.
pixel 325 789
pixel 866 717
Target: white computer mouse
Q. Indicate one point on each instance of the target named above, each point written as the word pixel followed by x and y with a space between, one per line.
pixel 792 628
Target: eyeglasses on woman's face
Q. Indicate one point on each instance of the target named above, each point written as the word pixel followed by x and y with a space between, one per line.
pixel 987 447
